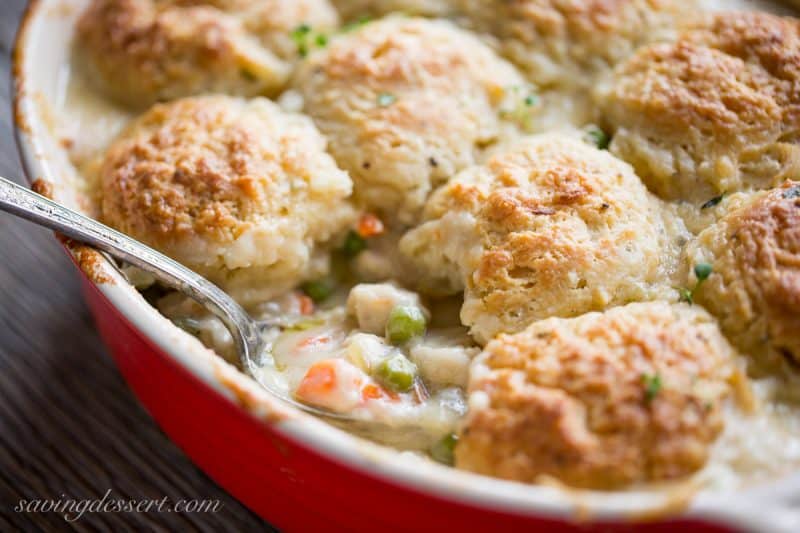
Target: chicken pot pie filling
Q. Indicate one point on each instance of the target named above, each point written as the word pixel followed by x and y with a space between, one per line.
pixel 484 237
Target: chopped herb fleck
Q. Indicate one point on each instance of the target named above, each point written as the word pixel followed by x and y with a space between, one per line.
pixel 304 38
pixel 354 244
pixel 386 99
pixel 531 100
pixel 686 295
pixel 596 136
pixel 702 271
pixel 792 192
pixel 713 202
pixel 652 386
pixel 300 32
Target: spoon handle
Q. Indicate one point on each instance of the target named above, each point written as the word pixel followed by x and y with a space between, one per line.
pixel 26 204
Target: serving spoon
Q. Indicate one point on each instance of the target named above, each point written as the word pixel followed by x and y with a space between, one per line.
pixel 246 331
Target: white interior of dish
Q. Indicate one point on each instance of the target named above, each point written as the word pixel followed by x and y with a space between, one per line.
pixel 43 64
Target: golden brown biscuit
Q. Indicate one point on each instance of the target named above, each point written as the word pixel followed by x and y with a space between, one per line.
pixel 718 111
pixel 568 43
pixel 600 401
pixel 238 190
pixel 144 51
pixel 551 227
pixel 754 287
pixel 406 103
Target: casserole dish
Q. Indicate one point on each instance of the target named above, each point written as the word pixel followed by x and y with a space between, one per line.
pixel 294 470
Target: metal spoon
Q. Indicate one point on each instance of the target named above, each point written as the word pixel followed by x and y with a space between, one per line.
pixel 246 331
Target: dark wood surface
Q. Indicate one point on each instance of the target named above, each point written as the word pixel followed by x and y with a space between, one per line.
pixel 69 426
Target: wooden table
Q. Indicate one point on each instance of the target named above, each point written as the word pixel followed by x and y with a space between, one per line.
pixel 69 426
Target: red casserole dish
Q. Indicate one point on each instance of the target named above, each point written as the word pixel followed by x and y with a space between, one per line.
pixel 297 472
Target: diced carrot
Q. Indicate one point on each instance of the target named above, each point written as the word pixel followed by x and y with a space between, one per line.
pixel 319 381
pixel 375 392
pixel 370 226
pixel 306 304
pixel 314 340
pixel 332 383
pixel 371 392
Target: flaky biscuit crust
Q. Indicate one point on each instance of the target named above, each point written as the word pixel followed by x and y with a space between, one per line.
pixel 144 51
pixel 574 399
pixel 226 185
pixel 714 112
pixel 754 288
pixel 401 118
pixel 551 227
pixel 567 43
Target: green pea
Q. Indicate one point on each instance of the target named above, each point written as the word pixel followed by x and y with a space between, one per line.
pixel 702 271
pixel 354 244
pixel 405 322
pixel 319 290
pixel 397 373
pixel 443 450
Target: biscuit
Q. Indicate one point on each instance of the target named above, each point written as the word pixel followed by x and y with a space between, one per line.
pixel 551 227
pixel 240 191
pixel 145 51
pixel 402 119
pixel 716 112
pixel 754 286
pixel 601 401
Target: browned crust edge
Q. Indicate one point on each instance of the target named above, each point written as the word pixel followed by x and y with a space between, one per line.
pixel 89 260
pixel 43 187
